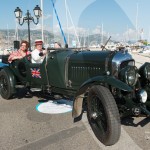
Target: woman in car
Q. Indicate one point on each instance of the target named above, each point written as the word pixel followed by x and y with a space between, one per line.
pixel 22 52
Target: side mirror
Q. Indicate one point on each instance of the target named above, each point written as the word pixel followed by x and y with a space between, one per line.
pixel 16 44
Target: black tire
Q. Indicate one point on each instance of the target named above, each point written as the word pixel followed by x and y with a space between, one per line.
pixel 6 89
pixel 103 115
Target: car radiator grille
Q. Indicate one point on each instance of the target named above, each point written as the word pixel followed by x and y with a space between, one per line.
pixel 80 73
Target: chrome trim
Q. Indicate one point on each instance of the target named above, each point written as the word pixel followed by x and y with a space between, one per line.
pixel 66 71
pixel 142 96
pixel 67 81
pixel 118 58
pixel 107 60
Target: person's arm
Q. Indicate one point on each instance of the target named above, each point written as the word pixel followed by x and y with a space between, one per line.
pixel 13 56
pixel 44 52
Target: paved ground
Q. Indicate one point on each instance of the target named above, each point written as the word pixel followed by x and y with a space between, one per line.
pixel 141 58
pixel 23 128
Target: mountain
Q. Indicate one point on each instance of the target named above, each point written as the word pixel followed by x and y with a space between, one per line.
pixel 8 36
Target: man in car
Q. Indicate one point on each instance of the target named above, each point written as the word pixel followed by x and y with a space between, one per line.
pixel 38 54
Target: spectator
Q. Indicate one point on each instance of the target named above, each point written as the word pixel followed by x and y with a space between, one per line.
pixel 19 54
pixel 38 54
pixel 57 45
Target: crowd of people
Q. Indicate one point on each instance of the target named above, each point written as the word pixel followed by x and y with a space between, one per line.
pixel 37 55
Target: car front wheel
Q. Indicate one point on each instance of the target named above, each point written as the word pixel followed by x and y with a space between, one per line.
pixel 103 115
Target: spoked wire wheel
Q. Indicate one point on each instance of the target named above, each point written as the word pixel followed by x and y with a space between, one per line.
pixel 103 115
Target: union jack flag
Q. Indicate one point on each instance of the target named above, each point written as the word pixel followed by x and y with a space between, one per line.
pixel 35 73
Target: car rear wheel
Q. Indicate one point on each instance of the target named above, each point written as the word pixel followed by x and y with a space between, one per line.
pixel 103 115
pixel 6 90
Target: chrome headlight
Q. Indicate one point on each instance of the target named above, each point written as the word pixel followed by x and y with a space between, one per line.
pixel 144 71
pixel 129 75
pixel 142 95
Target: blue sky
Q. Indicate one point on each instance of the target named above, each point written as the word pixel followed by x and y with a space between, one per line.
pixel 115 15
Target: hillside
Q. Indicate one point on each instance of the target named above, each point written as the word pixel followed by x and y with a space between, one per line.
pixel 7 38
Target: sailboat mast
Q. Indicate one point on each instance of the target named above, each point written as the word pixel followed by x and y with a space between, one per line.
pixel 16 31
pixel 102 34
pixel 77 37
pixel 7 36
pixel 127 34
pixel 137 11
pixel 67 21
pixel 42 20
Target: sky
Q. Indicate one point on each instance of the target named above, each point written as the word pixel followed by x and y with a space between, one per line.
pixel 118 18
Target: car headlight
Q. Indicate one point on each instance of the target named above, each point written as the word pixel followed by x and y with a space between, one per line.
pixel 129 75
pixel 142 95
pixel 144 71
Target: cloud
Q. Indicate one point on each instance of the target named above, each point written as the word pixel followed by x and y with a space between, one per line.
pixel 130 32
pixel 47 16
pixel 96 30
pixel 128 35
pixel 36 27
pixel 70 30
pixel 39 27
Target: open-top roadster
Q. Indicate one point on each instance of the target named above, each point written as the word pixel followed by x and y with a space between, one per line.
pixel 107 82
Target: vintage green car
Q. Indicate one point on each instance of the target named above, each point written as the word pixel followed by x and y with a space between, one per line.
pixel 107 82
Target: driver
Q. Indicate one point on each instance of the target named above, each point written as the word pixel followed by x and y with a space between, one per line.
pixel 38 54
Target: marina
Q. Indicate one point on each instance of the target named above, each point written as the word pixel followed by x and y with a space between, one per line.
pixel 76 98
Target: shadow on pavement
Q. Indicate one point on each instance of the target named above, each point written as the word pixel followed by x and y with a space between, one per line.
pixel 129 121
pixel 26 93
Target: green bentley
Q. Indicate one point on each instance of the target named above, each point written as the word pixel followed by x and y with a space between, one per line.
pixel 106 83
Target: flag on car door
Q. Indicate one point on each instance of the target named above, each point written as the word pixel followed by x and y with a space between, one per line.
pixel 35 73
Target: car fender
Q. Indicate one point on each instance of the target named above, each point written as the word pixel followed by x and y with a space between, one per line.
pixel 109 80
pixel 11 77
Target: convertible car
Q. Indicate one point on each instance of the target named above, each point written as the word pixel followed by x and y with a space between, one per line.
pixel 107 82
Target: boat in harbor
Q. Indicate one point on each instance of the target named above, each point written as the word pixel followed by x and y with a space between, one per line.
pixel 145 50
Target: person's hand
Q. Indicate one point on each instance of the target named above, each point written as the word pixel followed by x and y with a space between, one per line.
pixel 41 54
pixel 45 52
